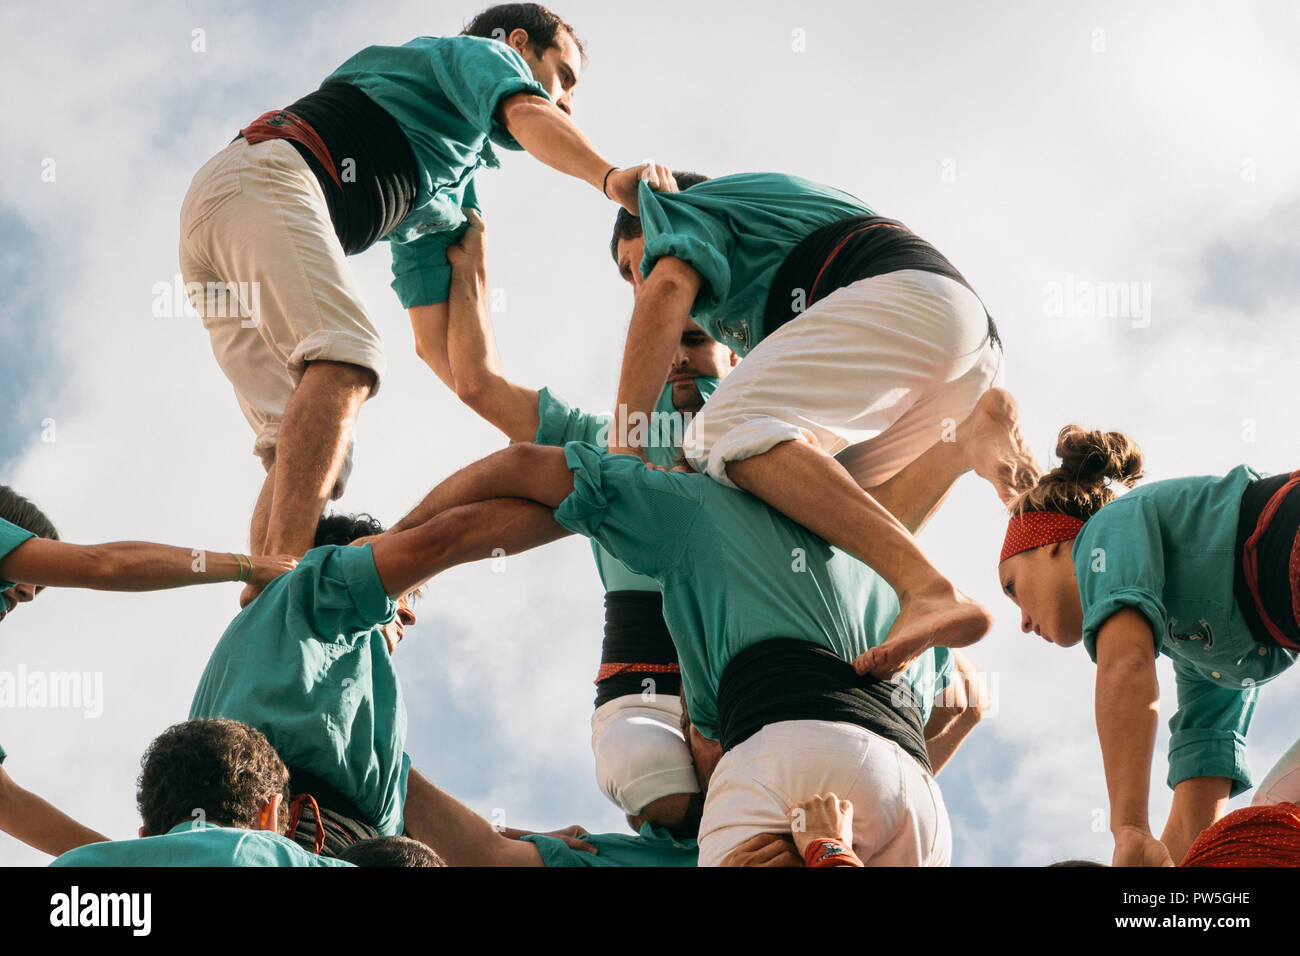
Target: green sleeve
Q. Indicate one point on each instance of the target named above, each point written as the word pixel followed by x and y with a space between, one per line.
pixel 674 225
pixel 421 272
pixel 1208 732
pixel 11 536
pixel 558 423
pixel 344 593
pixel 643 517
pixel 1119 563
pixel 556 852
pixel 475 74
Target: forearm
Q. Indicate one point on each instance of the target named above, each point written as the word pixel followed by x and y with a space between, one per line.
pixel 550 135
pixel 1198 802
pixel 652 339
pixel 948 735
pixel 39 824
pixel 429 328
pixel 475 365
pixel 458 834
pixel 117 566
pixel 521 471
pixel 1127 706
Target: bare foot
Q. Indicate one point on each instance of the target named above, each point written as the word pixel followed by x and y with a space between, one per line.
pixel 950 619
pixel 994 447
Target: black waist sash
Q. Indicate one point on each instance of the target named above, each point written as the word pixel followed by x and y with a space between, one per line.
pixel 1274 554
pixel 843 252
pixel 327 797
pixel 786 679
pixel 375 178
pixel 635 634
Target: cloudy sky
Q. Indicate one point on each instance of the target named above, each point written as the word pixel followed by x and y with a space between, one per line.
pixel 1045 148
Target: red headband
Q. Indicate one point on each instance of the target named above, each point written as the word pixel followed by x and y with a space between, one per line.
pixel 1033 529
pixel 1267 835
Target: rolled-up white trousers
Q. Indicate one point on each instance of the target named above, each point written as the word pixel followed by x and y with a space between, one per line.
pixel 875 373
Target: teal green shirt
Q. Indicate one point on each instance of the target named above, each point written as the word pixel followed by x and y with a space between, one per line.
pixel 11 536
pixel 443 92
pixel 650 848
pixel 734 571
pixel 306 664
pixel 735 231
pixel 559 423
pixel 197 843
pixel 1168 550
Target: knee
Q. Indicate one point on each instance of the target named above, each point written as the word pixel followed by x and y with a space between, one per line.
pixel 343 375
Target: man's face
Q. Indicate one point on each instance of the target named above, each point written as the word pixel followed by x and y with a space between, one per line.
pixel 556 70
pixel 395 629
pixel 698 355
pixel 630 254
pixel 18 594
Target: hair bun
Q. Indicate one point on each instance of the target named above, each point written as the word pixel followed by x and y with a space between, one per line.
pixel 1095 458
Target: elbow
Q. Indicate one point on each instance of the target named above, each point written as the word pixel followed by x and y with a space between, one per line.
pixel 472 391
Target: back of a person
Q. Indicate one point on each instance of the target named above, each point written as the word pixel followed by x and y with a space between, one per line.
pixel 301 665
pixel 1180 536
pixel 774 579
pixel 196 844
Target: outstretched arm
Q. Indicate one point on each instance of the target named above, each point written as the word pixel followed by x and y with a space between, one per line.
pixel 1127 705
pixel 458 834
pixel 553 137
pixel 653 335
pixel 39 824
pixel 132 566
pixel 498 505
pixel 1198 802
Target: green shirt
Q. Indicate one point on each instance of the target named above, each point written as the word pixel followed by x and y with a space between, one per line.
pixel 559 423
pixel 11 536
pixel 443 92
pixel 197 843
pixel 1168 549
pixel 306 664
pixel 735 231
pixel 734 571
pixel 650 848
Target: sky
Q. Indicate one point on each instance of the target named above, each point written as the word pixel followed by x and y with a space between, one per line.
pixel 1045 148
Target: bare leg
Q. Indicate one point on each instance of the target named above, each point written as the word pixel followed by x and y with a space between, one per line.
pixel 932 612
pixel 313 442
pixel 262 515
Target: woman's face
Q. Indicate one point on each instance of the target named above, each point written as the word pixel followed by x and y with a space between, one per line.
pixel 18 594
pixel 1041 582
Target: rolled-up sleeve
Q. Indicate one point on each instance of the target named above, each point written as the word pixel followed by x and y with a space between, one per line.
pixel 421 272
pixel 673 224
pixel 559 423
pixel 642 516
pixel 476 74
pixel 1208 732
pixel 1119 563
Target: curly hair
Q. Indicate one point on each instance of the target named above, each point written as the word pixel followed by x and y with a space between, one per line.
pixel 220 769
pixel 344 529
pixel 1091 463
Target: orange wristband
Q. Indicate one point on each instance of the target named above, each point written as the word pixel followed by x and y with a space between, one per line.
pixel 824 853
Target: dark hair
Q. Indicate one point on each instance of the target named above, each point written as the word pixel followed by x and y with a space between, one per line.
pixel 541 25
pixel 344 529
pixel 16 509
pixel 220 768
pixel 628 226
pixel 1076 863
pixel 1080 485
pixel 389 851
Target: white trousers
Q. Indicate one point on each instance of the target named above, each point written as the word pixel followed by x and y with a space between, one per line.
pixel 641 754
pixel 875 373
pixel 276 288
pixel 899 818
pixel 1282 783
